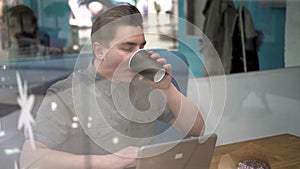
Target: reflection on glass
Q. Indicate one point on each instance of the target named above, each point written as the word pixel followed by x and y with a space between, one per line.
pixel 23 33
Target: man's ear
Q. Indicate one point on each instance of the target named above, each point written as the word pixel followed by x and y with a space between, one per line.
pixel 98 50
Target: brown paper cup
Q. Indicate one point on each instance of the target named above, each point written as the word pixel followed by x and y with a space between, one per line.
pixel 141 62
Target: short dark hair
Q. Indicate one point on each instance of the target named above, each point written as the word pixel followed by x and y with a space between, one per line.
pixel 109 21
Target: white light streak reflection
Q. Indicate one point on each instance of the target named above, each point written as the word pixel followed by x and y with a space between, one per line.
pixel 115 140
pixel 26 103
pixel 53 106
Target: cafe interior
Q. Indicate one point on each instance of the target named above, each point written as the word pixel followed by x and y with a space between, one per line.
pixel 237 60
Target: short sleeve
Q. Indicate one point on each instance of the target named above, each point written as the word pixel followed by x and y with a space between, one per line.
pixel 52 121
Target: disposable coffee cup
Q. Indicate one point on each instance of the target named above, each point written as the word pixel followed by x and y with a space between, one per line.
pixel 141 62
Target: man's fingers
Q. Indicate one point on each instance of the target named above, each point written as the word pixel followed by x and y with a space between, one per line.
pixel 155 55
pixel 161 60
pixel 168 68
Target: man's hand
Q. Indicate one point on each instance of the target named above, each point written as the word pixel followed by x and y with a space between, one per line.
pixel 165 83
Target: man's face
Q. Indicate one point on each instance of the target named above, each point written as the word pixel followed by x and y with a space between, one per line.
pixel 126 41
pixel 13 27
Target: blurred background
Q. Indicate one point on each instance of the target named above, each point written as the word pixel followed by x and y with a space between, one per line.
pixel 268 40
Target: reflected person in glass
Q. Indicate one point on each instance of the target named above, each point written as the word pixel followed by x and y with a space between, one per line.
pixel 25 37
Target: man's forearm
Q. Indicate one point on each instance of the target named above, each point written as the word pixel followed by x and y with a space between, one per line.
pixel 188 119
pixel 45 158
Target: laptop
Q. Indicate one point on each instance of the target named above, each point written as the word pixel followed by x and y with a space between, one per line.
pixel 190 153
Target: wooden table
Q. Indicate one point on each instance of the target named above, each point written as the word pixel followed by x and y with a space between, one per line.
pixel 283 151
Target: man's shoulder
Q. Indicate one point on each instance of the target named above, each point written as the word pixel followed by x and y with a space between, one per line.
pixel 75 79
pixel 62 85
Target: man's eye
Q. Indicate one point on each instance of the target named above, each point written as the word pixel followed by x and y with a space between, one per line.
pixel 127 49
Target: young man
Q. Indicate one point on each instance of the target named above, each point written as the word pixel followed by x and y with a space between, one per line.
pixel 99 116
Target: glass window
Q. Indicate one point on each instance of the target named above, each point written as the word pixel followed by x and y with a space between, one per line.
pixel 41 42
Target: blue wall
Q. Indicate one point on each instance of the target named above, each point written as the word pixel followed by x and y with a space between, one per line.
pixel 189 45
pixel 271 21
pixel 53 18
